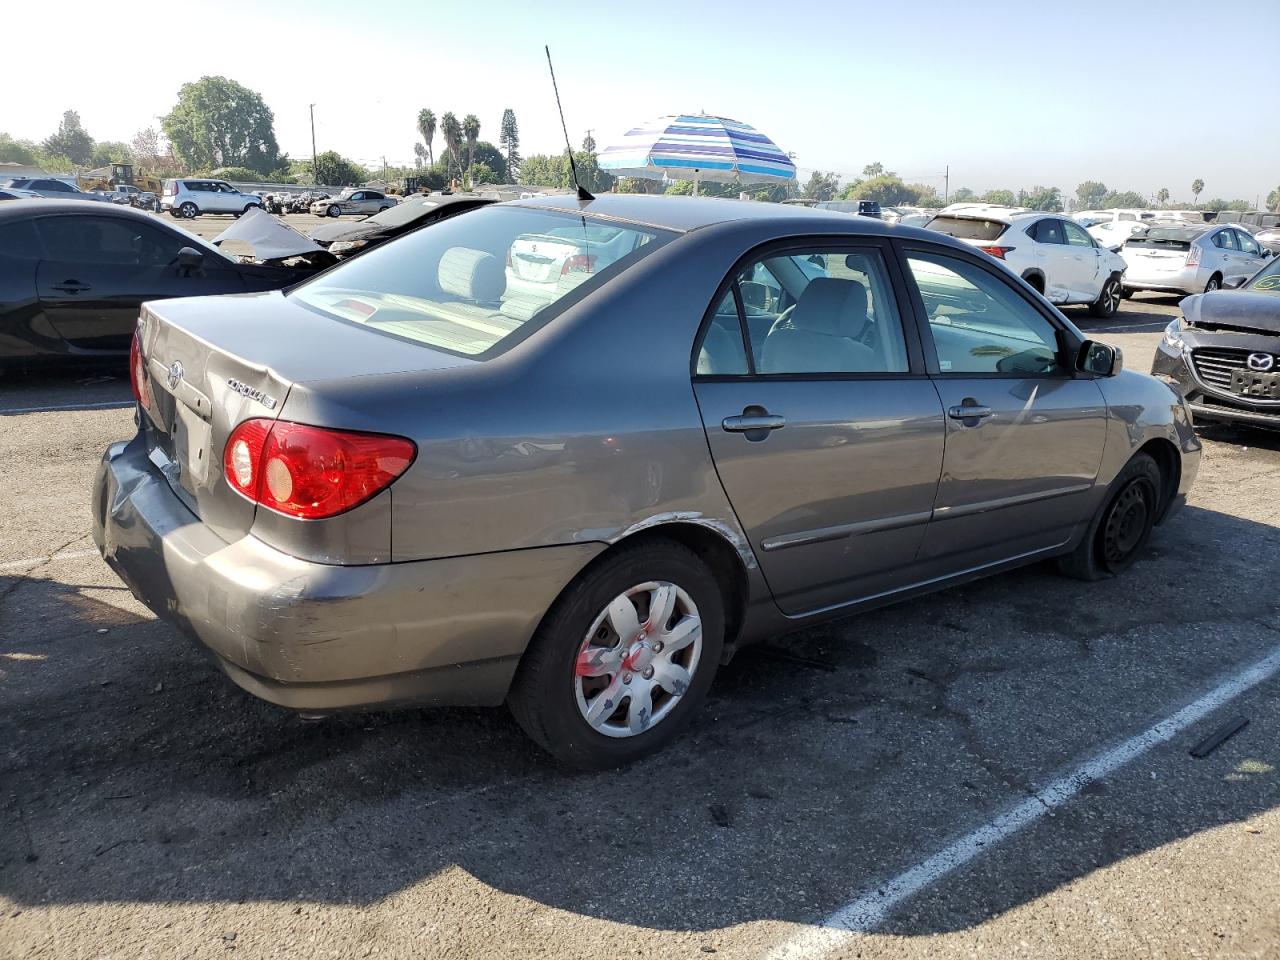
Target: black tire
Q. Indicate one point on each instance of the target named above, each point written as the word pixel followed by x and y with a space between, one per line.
pixel 189 211
pixel 1126 293
pixel 1108 302
pixel 1036 283
pixel 543 696
pixel 251 206
pixel 1215 283
pixel 333 210
pixel 1121 528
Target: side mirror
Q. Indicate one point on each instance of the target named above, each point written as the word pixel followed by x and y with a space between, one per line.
pixel 189 258
pixel 1099 359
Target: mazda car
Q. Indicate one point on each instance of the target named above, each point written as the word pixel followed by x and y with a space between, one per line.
pixel 407 481
pixel 1223 352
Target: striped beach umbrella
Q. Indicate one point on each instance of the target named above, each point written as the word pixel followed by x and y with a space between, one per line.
pixel 697 147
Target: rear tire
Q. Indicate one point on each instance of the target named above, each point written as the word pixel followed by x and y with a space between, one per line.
pixel 552 697
pixel 189 211
pixel 1121 528
pixel 1108 302
pixel 1215 283
pixel 1036 282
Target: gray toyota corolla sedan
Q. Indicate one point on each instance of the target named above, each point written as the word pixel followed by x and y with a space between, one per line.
pixel 571 455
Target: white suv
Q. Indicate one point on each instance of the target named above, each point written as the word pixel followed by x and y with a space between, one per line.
pixel 190 198
pixel 1050 251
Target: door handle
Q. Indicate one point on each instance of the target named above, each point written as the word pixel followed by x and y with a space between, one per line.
pixel 71 286
pixel 748 422
pixel 969 412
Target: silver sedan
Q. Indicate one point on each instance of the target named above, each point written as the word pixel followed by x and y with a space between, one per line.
pixel 572 455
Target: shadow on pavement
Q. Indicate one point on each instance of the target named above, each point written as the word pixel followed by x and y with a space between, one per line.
pixel 134 771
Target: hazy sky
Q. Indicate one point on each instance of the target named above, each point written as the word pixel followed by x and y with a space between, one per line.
pixel 1010 94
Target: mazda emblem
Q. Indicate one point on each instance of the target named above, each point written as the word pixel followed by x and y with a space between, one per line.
pixel 1261 361
pixel 176 374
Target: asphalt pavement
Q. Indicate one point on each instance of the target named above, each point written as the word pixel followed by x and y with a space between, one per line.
pixel 1001 769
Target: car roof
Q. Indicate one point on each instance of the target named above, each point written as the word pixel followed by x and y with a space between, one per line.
pixel 20 208
pixel 682 214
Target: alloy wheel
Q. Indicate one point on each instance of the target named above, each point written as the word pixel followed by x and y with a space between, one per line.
pixel 1111 297
pixel 1212 285
pixel 638 659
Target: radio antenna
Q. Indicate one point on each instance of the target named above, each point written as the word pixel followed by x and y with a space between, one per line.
pixel 583 195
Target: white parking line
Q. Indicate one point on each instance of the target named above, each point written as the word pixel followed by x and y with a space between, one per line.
pixel 59 407
pixel 870 909
pixel 36 561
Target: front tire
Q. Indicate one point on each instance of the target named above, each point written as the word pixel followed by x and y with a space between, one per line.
pixel 624 658
pixel 333 210
pixel 1108 302
pixel 1120 530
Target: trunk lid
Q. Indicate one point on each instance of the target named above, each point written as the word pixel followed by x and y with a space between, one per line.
pixel 214 362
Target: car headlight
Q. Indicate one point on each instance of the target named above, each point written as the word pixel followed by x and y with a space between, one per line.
pixel 347 246
pixel 1173 334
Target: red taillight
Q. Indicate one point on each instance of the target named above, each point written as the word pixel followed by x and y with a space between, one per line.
pixel 997 252
pixel 578 263
pixel 311 472
pixel 139 381
pixel 1193 256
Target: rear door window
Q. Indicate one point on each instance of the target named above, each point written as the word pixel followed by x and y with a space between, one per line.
pixel 1225 240
pixel 18 239
pixel 1048 231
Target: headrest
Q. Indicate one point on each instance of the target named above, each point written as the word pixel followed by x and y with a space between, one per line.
pixel 831 305
pixel 471 275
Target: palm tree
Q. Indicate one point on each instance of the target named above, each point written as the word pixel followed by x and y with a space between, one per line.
pixel 427 127
pixel 1196 186
pixel 451 130
pixel 1163 196
pixel 471 130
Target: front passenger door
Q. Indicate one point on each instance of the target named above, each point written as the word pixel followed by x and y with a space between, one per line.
pixel 1087 262
pixel 1024 433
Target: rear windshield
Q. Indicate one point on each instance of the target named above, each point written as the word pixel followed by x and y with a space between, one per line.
pixel 1165 238
pixel 476 285
pixel 968 228
pixel 1266 280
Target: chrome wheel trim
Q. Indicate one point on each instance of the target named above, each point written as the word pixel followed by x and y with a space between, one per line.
pixel 629 673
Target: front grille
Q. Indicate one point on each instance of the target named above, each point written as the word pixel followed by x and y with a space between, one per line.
pixel 1214 364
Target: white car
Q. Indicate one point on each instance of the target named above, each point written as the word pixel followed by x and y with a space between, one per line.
pixel 540 266
pixel 190 198
pixel 1177 257
pixel 1050 251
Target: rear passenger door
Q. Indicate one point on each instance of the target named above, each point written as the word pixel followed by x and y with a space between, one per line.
pixel 826 433
pixel 1024 432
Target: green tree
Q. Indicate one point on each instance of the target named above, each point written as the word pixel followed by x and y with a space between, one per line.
pixel 509 140
pixel 872 170
pixel 1043 198
pixel 471 130
pixel 1125 198
pixel 18 151
pixel 238 174
pixel 481 173
pixel 111 151
pixel 334 170
pixel 1090 194
pixel 1273 200
pixel 927 197
pixel 486 153
pixel 541 170
pixel 71 141
pixel 451 130
pixel 1005 197
pixel 1162 196
pixel 821 186
pixel 1196 186
pixel 427 129
pixel 145 147
pixel 220 123
pixel 887 189
pixel 962 195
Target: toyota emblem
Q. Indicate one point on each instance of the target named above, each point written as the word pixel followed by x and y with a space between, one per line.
pixel 176 374
pixel 1261 362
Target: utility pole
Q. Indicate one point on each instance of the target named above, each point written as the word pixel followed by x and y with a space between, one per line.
pixel 946 186
pixel 384 171
pixel 315 179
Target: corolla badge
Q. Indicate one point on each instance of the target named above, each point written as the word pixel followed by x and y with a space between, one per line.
pixel 175 375
pixel 1261 361
pixel 252 393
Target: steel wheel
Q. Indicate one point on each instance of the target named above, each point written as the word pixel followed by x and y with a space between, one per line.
pixel 638 659
pixel 1127 523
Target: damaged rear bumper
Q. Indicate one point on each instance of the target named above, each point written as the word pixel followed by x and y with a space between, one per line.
pixel 320 637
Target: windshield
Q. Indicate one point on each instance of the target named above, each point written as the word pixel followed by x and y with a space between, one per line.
pixel 1266 280
pixel 476 285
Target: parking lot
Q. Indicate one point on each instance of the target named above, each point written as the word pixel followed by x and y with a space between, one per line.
pixel 1000 769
